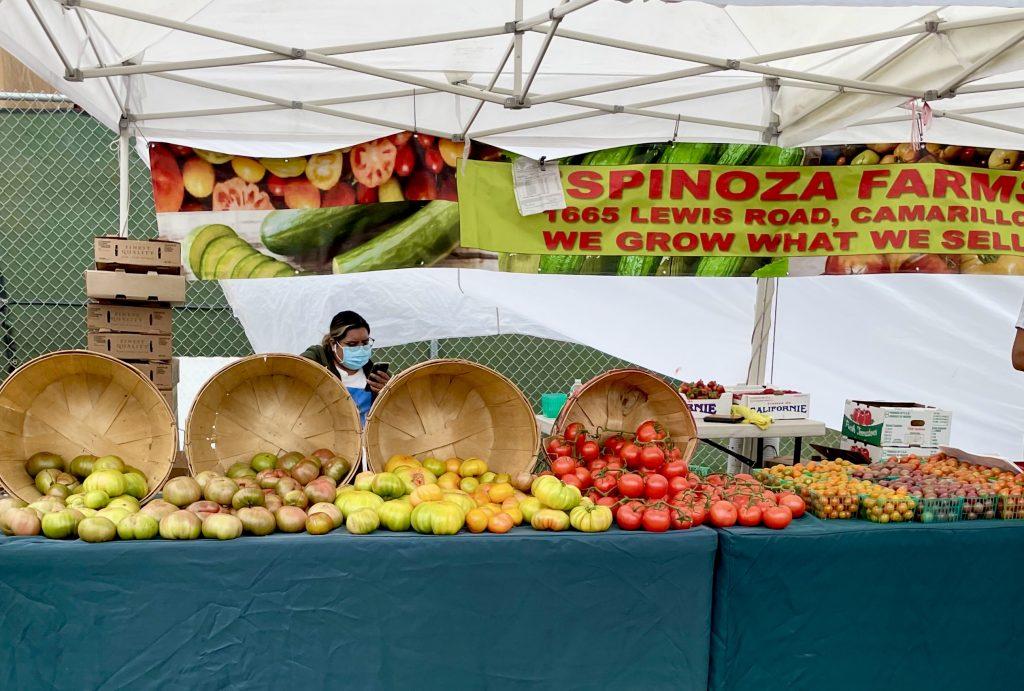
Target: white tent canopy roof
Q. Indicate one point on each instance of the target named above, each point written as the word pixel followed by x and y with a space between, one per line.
pixel 553 79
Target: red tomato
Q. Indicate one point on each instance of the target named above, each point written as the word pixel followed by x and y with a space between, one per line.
pixel 405 161
pixel 698 513
pixel 571 479
pixel 593 495
pixel 777 517
pixel 681 518
pixel 341 194
pixel 613 444
pixel 656 520
pixel 558 447
pixel 655 486
pixel 631 485
pixel 576 434
pixel 630 515
pixel 794 503
pixel 373 162
pixel 630 454
pixel 675 469
pixel 652 457
pixel 420 186
pixel 562 465
pixel 589 451
pixel 275 185
pixel 605 483
pixel 597 465
pixel 365 195
pixel 677 484
pixel 723 514
pixel 715 480
pixel 552 443
pixel 432 160
pixel 424 140
pixel 614 464
pixel 675 453
pixel 179 150
pixel 649 430
pixel 749 515
pixel 584 476
pixel 400 139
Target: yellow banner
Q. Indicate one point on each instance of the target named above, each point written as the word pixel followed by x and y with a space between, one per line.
pixel 708 210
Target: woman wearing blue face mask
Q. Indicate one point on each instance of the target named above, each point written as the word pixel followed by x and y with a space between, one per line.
pixel 345 351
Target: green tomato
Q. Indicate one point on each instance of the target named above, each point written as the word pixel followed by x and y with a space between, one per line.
pixel 108 463
pixel 263 461
pixel 530 506
pixel 96 499
pixel 138 526
pixel 96 529
pixel 109 481
pixel 387 485
pixel 362 521
pixel 414 477
pixel 350 502
pixel 135 485
pixel 555 494
pixel 591 518
pixel 61 524
pixel 364 480
pixel 435 466
pixel 438 518
pixel 126 502
pixel 395 515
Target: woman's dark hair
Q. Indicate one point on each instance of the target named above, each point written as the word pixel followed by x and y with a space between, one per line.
pixel 342 323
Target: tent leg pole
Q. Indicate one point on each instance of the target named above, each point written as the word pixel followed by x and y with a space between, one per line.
pixel 757 370
pixel 517 54
pixel 124 186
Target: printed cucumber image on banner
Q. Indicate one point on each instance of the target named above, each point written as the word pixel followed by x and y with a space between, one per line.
pixel 676 209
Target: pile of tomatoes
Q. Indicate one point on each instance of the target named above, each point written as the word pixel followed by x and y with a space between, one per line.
pixel 645 481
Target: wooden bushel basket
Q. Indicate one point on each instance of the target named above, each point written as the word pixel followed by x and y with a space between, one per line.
pixel 274 403
pixel 452 409
pixel 620 399
pixel 75 402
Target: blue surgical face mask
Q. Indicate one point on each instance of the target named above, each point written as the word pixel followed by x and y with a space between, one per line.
pixel 354 357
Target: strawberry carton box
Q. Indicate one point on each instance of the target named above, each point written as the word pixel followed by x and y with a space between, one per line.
pixel 912 427
pixel 877 454
pixel 705 399
pixel 780 403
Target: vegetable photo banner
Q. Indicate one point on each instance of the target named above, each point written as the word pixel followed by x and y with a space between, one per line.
pixel 721 211
pixel 665 209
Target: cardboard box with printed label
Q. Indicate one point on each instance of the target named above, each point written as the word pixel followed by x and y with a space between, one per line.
pixel 702 407
pixel 881 453
pixel 896 424
pixel 147 287
pixel 164 375
pixel 789 405
pixel 162 256
pixel 130 346
pixel 130 318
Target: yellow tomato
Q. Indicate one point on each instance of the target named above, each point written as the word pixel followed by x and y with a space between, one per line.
pixel 1001 264
pixel 500 492
pixel 324 170
pixel 450 151
pixel 426 493
pixel 515 514
pixel 489 509
pixel 500 523
pixel 529 507
pixel 476 520
pixel 248 169
pixel 488 477
pixel 285 167
pixel 471 467
pixel 510 503
pixel 398 461
pixel 452 465
pixel 469 484
pixel 503 477
pixel 480 497
pixel 449 480
pixel 390 191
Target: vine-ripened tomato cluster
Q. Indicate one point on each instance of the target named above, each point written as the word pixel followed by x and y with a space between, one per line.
pixel 644 479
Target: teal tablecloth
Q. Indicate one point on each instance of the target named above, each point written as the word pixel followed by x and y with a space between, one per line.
pixel 526 609
pixel 854 605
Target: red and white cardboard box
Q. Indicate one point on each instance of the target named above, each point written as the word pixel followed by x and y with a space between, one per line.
pixel 784 406
pixel 702 407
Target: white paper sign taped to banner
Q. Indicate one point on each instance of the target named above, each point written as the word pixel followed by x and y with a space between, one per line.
pixel 537 186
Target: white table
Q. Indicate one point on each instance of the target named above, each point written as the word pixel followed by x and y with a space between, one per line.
pixel 709 431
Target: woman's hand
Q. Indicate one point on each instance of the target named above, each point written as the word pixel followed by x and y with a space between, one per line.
pixel 377 380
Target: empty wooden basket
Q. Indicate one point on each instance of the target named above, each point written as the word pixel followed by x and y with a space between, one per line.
pixel 76 402
pixel 620 399
pixel 452 409
pixel 274 403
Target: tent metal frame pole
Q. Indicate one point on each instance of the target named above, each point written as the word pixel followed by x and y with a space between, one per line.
pixel 490 86
pixel 982 123
pixel 555 14
pixel 295 53
pixel 124 184
pixel 271 106
pixel 517 55
pixel 984 88
pixel 256 58
pixel 299 105
pixel 525 88
pixel 49 36
pixel 949 88
pixel 764 304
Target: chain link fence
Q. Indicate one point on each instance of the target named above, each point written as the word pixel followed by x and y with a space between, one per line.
pixel 58 169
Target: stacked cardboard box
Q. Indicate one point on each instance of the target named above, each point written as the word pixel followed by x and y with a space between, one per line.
pixel 880 429
pixel 131 291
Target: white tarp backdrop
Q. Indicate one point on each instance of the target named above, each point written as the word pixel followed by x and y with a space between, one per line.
pixel 309 75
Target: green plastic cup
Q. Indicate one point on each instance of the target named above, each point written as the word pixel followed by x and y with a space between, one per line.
pixel 551 403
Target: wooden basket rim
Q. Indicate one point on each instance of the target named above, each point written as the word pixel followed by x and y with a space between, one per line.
pixel 691 441
pixel 409 371
pixel 266 356
pixel 116 364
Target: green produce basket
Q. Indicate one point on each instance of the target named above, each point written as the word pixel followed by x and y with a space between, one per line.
pixel 834 507
pixel 980 508
pixel 702 471
pixel 887 509
pixel 939 510
pixel 1010 508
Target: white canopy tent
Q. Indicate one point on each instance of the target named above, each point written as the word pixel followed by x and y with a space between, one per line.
pixel 552 79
